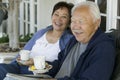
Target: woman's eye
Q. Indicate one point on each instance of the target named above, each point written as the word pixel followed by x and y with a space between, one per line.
pixel 64 16
pixel 56 14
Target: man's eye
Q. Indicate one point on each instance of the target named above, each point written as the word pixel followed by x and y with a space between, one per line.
pixel 82 21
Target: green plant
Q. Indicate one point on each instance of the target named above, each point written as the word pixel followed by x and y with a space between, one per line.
pixel 25 38
pixel 4 39
pixel 22 38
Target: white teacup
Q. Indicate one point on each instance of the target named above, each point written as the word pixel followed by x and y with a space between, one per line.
pixel 24 54
pixel 39 62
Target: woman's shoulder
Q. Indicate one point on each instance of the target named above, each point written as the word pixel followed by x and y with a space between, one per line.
pixel 43 30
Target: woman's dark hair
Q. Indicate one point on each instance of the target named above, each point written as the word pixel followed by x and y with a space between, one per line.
pixel 61 5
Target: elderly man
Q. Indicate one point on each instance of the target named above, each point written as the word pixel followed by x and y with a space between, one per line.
pixel 90 55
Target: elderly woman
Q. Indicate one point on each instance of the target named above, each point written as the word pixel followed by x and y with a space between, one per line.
pixel 48 42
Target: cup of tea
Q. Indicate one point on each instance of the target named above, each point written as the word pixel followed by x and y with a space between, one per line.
pixel 39 62
pixel 24 55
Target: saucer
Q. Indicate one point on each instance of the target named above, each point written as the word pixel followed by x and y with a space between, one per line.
pixel 40 71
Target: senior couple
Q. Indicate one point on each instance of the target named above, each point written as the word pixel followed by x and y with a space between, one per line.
pixel 90 54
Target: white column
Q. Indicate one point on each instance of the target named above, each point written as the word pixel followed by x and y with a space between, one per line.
pixel 111 14
pixel 21 18
pixel 26 9
pixel 38 13
pixel 32 16
pixel 114 15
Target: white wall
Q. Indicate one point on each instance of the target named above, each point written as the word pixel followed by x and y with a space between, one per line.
pixel 6 1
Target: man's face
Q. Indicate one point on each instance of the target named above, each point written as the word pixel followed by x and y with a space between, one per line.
pixel 83 25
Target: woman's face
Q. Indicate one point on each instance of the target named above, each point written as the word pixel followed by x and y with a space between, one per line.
pixel 60 19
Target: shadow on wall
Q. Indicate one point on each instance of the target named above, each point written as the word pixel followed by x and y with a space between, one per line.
pixel 3 12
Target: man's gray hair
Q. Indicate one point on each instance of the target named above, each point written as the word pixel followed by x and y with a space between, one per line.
pixel 94 9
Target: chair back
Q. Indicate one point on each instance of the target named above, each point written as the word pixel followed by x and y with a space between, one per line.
pixel 116 72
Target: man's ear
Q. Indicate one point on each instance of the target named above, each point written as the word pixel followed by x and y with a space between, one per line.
pixel 97 23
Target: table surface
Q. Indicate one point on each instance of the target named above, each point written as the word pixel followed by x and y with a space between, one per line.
pixel 27 77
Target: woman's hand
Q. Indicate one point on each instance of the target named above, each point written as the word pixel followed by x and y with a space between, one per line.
pixel 26 63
